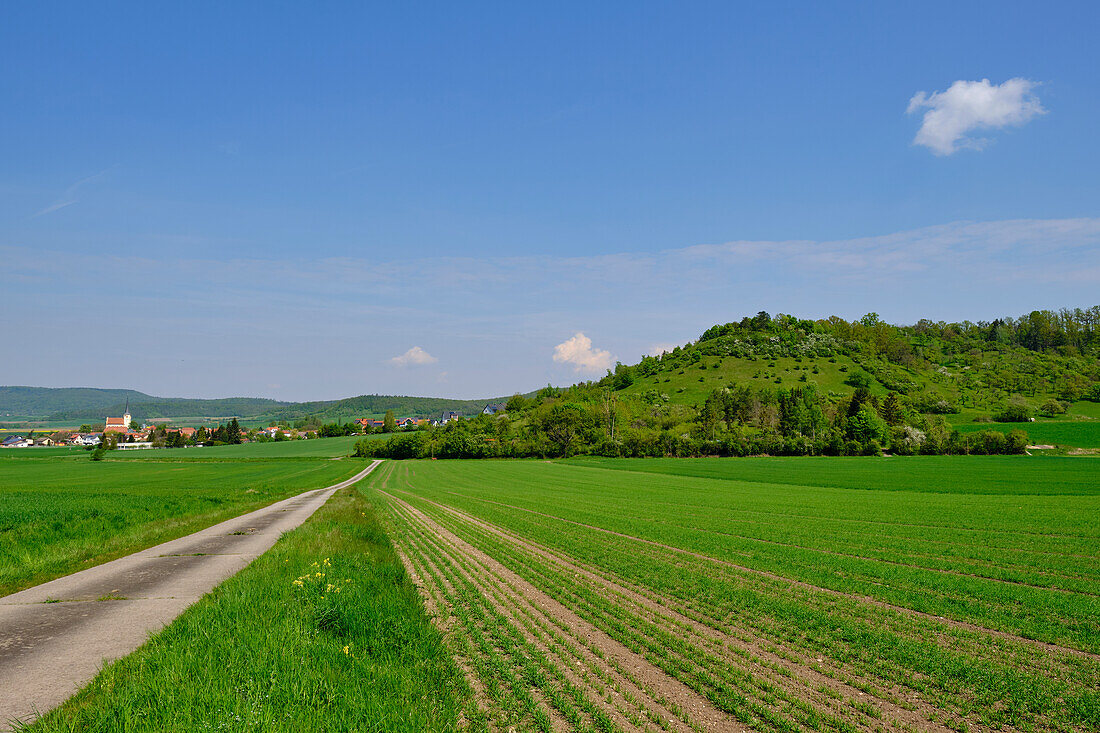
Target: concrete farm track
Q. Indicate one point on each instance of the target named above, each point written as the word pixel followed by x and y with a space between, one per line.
pixel 56 636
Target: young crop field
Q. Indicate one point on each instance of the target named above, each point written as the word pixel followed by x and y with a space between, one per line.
pixel 771 595
pixel 61 512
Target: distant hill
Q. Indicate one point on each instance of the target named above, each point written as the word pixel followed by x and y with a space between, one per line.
pixel 152 408
pixel 43 401
pixel 85 404
pixel 377 405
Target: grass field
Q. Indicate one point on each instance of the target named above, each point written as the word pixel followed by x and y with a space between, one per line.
pixel 61 512
pixel 786 594
pixel 1073 434
pixel 278 648
pixel 995 475
pixel 315 448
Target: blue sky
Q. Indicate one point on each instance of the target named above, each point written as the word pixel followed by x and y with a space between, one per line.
pixel 331 199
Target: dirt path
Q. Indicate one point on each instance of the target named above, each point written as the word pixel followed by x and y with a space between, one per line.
pixel 56 636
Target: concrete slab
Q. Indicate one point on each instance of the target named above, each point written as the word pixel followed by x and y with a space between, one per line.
pixel 56 636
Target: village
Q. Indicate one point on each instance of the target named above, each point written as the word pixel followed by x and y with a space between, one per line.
pixel 123 434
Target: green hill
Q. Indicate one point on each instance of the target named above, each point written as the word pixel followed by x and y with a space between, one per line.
pixel 377 406
pixel 152 408
pixel 789 386
pixel 966 371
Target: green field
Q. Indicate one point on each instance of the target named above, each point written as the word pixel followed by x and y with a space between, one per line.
pixel 1073 434
pixel 61 512
pixel 996 475
pixel 315 448
pixel 263 653
pixel 823 594
pixel 785 594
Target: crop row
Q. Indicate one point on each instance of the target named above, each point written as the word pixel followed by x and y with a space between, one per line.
pixel 749 684
pixel 939 669
pixel 1054 605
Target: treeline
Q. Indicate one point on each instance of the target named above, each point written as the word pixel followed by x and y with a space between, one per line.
pixel 590 419
pixel 170 407
pixel 41 401
pixel 366 405
pixel 1070 331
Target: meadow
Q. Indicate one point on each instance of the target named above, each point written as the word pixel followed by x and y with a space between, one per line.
pixel 61 512
pixel 780 594
pixel 1072 434
pixel 314 448
pixel 324 632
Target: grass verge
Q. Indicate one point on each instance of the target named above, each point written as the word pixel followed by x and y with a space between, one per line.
pixel 58 516
pixel 325 632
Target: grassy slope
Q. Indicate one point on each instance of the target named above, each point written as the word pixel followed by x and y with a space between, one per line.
pixel 261 653
pixel 62 512
pixel 690 385
pixel 683 385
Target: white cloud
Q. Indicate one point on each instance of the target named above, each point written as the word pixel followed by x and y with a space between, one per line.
pixel 972 105
pixel 415 356
pixel 658 349
pixel 578 351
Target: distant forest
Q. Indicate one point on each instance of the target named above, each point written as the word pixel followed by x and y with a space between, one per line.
pixel 79 404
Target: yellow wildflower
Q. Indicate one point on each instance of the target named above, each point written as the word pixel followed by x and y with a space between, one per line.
pixel 347 650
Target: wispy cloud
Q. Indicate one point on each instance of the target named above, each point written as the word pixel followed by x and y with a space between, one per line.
pixel 967 106
pixel 415 356
pixel 69 197
pixel 499 318
pixel 578 352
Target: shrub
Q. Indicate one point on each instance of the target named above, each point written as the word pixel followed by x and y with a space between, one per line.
pixel 1017 410
pixel 1052 407
pixel 1016 442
